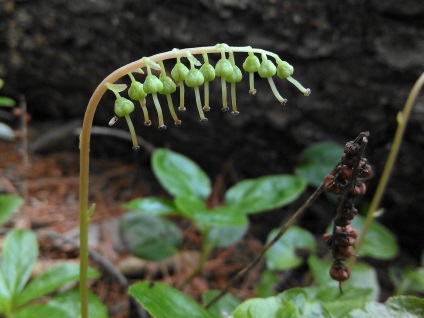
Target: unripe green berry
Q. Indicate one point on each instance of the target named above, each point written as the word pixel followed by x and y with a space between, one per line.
pixel 251 64
pixel 223 68
pixel 208 72
pixel 168 85
pixel 267 69
pixel 235 76
pixel 194 78
pixel 179 72
pixel 136 91
pixel 284 70
pixel 152 84
pixel 123 107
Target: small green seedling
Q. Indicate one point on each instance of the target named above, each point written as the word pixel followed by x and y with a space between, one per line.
pixel 17 294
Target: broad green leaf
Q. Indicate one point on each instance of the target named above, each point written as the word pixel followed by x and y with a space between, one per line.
pixel 150 237
pixel 266 286
pixel 70 302
pixel 406 305
pixel 307 308
pixel 195 209
pixel 163 301
pixel 259 307
pixel 152 206
pixel 7 102
pixel 339 305
pixel 282 255
pixel 41 310
pixel 264 193
pixel 6 132
pixel 362 276
pixel 317 161
pixel 379 243
pixel 51 280
pixel 223 307
pixel 401 306
pixel 179 175
pixel 20 252
pixel 224 235
pixel 8 205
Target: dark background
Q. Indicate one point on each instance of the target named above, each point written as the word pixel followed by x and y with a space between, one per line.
pixel 359 58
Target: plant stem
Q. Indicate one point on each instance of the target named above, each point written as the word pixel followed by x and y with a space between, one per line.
pixel 85 145
pixel 258 258
pixel 402 119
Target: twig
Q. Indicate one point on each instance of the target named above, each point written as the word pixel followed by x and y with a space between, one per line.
pixel 258 258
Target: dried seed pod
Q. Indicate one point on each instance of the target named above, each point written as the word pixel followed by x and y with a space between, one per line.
pixel 328 239
pixel 342 221
pixel 343 253
pixel 345 172
pixel 331 184
pixel 339 272
pixel 351 148
pixel 350 213
pixel 359 189
pixel 348 160
pixel 364 172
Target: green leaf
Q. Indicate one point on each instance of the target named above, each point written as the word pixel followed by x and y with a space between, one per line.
pixel 70 302
pixel 317 161
pixel 150 237
pixel 196 210
pixel 51 280
pixel 266 286
pixel 265 193
pixel 401 306
pixel 41 310
pixel 282 255
pixel 162 301
pixel 179 175
pixel 406 305
pixel 379 242
pixel 223 307
pixel 225 235
pixel 259 307
pixel 307 308
pixel 8 205
pixel 7 102
pixel 20 252
pixel 152 206
pixel 6 133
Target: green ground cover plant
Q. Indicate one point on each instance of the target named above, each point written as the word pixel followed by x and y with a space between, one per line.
pixel 334 170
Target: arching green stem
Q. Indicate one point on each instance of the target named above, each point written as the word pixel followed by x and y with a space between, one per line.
pixel 85 146
pixel 402 119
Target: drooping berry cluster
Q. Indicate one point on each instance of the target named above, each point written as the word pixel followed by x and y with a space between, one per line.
pixel 345 181
pixel 196 75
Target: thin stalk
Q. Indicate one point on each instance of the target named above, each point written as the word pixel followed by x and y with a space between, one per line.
pixel 147 121
pixel 402 119
pixel 206 108
pixel 233 99
pixel 177 122
pixel 203 119
pixel 85 146
pixel 259 257
pixel 277 95
pixel 224 95
pixel 132 132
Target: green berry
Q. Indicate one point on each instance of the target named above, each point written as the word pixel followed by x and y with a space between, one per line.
pixel 152 84
pixel 251 64
pixel 235 76
pixel 123 107
pixel 267 69
pixel 179 72
pixel 194 78
pixel 208 72
pixel 223 68
pixel 136 91
pixel 284 70
pixel 168 85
